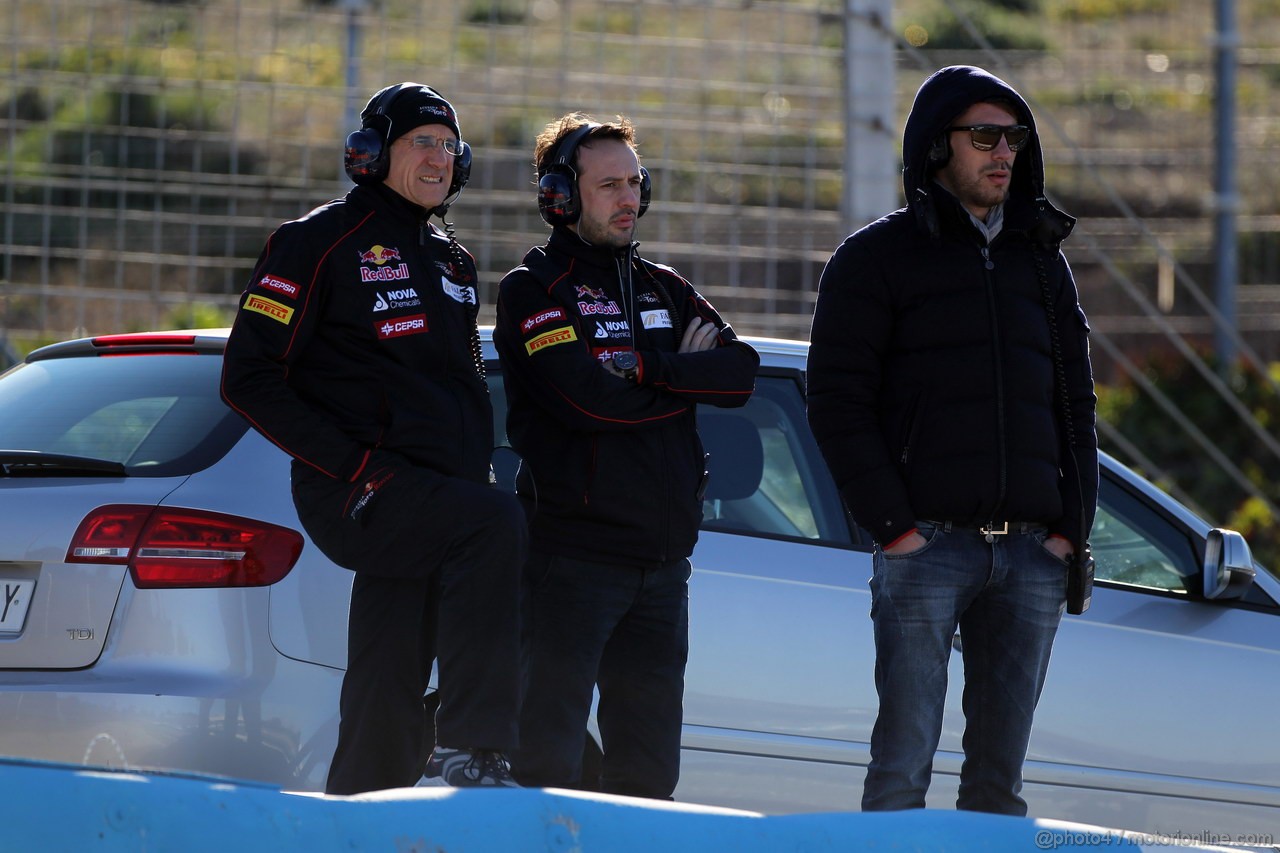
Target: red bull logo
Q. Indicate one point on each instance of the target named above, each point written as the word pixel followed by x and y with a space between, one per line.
pixel 586 308
pixel 379 255
pixel 396 273
pixel 584 291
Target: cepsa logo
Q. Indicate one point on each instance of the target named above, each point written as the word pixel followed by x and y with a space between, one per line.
pixel 379 255
pixel 606 353
pixel 279 285
pixel 531 323
pixel 414 324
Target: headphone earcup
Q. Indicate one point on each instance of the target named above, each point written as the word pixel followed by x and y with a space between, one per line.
pixel 646 190
pixel 557 199
pixel 940 151
pixel 461 170
pixel 364 158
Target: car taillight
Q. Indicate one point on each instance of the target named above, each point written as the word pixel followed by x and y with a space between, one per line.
pixel 172 547
pixel 145 344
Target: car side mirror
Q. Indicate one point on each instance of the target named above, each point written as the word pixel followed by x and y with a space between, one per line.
pixel 1228 565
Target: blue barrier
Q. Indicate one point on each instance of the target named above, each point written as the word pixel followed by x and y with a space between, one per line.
pixel 50 807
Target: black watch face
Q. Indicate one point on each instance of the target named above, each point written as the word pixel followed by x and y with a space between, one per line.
pixel 625 361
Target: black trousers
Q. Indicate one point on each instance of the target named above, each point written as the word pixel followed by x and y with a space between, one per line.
pixel 624 629
pixel 437 564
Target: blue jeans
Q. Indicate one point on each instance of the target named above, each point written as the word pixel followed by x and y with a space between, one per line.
pixel 625 628
pixel 1007 598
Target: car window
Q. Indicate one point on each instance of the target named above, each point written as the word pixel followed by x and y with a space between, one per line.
pixel 158 415
pixel 1134 545
pixel 767 477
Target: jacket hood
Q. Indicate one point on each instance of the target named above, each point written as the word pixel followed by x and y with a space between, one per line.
pixel 941 98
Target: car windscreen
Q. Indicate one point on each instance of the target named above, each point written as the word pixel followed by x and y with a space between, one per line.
pixel 157 415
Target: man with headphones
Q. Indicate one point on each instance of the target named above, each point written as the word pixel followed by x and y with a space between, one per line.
pixel 606 357
pixel 355 350
pixel 951 393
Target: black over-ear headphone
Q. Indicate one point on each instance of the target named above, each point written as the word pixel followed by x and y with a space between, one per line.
pixel 940 151
pixel 367 157
pixel 558 200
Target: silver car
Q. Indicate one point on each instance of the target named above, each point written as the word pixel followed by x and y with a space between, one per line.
pixel 162 609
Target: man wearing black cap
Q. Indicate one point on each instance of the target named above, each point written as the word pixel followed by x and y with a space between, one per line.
pixel 951 393
pixel 356 351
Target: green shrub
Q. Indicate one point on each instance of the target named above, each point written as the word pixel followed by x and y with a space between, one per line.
pixel 1138 417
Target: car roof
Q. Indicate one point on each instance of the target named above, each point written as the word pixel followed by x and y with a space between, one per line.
pixel 209 341
pixel 774 351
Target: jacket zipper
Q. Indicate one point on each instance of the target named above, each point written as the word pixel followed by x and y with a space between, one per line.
pixel 441 310
pixel 996 347
pixel 591 473
pixel 909 434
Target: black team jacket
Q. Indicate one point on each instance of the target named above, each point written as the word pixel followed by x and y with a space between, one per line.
pixel 615 467
pixel 357 332
pixel 931 375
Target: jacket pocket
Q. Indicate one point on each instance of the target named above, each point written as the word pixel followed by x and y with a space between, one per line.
pixel 363 496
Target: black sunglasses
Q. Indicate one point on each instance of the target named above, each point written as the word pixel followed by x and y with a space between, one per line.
pixel 987 136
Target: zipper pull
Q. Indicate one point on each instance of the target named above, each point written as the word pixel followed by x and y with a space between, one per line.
pixel 986 256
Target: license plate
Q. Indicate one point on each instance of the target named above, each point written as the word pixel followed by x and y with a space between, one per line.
pixel 15 596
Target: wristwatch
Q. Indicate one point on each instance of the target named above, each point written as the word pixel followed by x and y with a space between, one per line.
pixel 627 363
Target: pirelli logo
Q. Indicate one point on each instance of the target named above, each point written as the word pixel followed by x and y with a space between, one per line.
pixel 556 336
pixel 269 307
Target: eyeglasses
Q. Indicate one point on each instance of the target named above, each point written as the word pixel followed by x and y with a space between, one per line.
pixel 452 147
pixel 984 137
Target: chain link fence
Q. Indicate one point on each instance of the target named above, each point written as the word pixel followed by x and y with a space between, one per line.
pixel 153 144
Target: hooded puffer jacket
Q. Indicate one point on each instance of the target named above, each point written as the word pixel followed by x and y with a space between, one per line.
pixel 931 371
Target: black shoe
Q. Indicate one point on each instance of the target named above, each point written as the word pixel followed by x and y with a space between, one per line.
pixel 468 768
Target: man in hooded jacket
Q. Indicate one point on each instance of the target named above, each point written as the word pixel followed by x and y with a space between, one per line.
pixel 951 393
